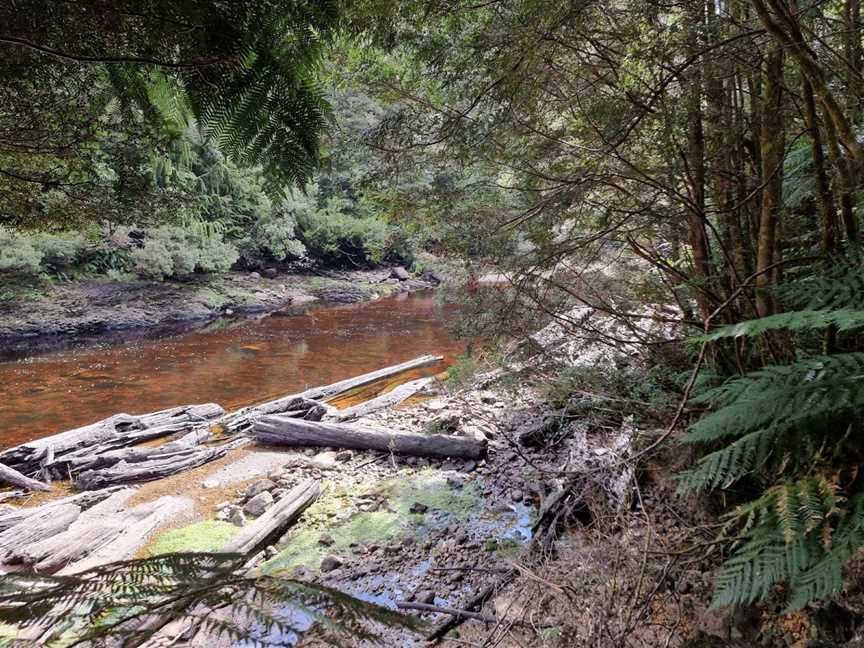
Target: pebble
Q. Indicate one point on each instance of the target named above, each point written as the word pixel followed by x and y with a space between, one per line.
pixel 517 495
pixel 345 455
pixel 417 507
pixel 210 483
pixel 425 596
pixel 326 540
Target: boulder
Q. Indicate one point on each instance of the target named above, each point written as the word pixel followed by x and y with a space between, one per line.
pixel 330 563
pixel 259 487
pixel 400 273
pixel 258 504
pixel 430 276
pixel 271 273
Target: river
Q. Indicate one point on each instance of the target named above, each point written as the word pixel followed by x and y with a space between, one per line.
pixel 232 362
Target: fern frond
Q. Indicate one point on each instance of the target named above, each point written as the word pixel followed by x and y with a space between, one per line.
pixel 841 319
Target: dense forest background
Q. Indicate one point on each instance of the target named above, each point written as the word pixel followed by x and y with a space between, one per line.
pixel 716 143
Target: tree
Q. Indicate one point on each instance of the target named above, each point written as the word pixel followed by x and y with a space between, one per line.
pixel 90 88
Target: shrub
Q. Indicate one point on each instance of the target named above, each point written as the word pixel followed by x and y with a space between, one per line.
pixel 273 238
pixel 176 252
pixel 18 255
pixel 60 250
pixel 339 237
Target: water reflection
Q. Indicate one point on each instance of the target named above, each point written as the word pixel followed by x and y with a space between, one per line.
pixel 232 363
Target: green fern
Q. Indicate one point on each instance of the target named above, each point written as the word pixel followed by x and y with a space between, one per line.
pixel 213 593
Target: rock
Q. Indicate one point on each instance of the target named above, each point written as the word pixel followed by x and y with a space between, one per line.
pixel 254 275
pixel 330 562
pixel 517 495
pixel 454 483
pixel 400 273
pixel 487 397
pixel 436 405
pixel 271 273
pixel 258 504
pixel 223 505
pixel 279 493
pixel 469 466
pixel 417 507
pixel 309 452
pixel 259 487
pixel 345 455
pixel 326 540
pixel 445 423
pixel 210 483
pixel 237 518
pixel 430 276
pixel 425 596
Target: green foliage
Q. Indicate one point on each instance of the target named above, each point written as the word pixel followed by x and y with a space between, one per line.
pixel 335 231
pixel 272 238
pixel 795 431
pixel 130 601
pixel 18 254
pixel 460 373
pixel 176 252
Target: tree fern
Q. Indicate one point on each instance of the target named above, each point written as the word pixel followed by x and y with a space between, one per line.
pixel 127 603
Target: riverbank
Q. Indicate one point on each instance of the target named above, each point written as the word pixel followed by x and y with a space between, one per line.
pixel 94 306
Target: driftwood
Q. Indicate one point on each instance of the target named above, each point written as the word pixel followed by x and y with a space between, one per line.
pixel 138 524
pixel 88 531
pixel 82 501
pixel 276 519
pixel 391 398
pixel 279 430
pixel 11 476
pixel 54 453
pixel 244 418
pixel 155 466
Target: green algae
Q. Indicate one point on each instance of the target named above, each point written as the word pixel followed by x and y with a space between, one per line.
pixel 210 535
pixel 334 515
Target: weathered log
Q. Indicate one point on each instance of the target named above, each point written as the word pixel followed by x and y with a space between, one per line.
pixel 242 419
pixel 276 519
pixel 82 501
pixel 11 476
pixel 136 528
pixel 135 455
pixel 161 465
pixel 43 524
pixel 115 432
pixel 399 394
pixel 89 531
pixel 278 430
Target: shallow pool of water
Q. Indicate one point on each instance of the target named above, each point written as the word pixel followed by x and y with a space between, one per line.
pixel 231 362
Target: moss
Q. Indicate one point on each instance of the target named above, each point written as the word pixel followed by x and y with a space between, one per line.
pixel 204 536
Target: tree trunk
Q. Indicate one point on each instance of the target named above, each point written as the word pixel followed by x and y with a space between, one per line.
pixel 772 142
pixel 279 430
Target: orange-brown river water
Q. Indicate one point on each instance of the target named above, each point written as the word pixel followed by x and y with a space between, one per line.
pixel 232 363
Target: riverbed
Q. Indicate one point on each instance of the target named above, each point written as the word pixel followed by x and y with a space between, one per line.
pixel 232 361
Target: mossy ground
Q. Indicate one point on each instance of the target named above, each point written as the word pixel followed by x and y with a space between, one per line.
pixel 211 535
pixel 334 515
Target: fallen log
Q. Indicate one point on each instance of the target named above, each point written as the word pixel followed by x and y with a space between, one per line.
pixel 11 476
pixel 89 531
pixel 278 430
pixel 43 524
pixel 82 501
pixel 399 394
pixel 159 466
pixel 275 520
pixel 120 430
pixel 137 526
pixel 244 418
